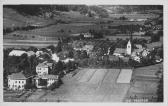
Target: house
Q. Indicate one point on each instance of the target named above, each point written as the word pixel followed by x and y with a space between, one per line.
pixel 38 53
pixel 45 81
pixel 67 60
pixel 88 48
pixel 87 35
pixel 17 81
pixel 30 53
pixel 43 68
pixel 145 52
pixel 119 52
pixel 17 52
pixel 138 46
pixel 138 33
pixel 55 57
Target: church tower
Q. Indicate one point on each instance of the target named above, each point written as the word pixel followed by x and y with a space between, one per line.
pixel 129 47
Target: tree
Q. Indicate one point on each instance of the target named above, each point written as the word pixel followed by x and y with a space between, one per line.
pixel 34 49
pixel 155 38
pixel 59 47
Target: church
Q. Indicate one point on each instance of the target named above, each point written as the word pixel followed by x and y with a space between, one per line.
pixel 121 52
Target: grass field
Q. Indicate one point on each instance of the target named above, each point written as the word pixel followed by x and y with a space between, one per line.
pixel 144 84
pixel 89 85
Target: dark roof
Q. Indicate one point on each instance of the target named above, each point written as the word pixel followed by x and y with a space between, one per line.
pixel 17 76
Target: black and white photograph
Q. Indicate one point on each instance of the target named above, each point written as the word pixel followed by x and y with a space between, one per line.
pixel 83 53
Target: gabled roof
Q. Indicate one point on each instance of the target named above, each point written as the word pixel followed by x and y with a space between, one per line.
pixel 45 64
pixel 17 76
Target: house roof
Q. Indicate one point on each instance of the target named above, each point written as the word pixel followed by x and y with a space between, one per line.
pixel 30 53
pixel 17 52
pixel 88 47
pixel 45 64
pixel 17 76
pixel 47 77
pixel 120 50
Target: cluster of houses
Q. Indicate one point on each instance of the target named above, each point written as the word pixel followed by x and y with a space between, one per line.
pixel 43 79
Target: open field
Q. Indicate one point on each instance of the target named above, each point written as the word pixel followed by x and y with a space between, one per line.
pixel 16 96
pixel 144 84
pixel 27 43
pixel 89 85
pixel 134 16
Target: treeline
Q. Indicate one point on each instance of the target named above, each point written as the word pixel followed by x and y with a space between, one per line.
pixel 133 8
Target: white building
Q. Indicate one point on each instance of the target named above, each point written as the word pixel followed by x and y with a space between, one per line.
pixel 55 57
pixel 128 50
pixel 88 48
pixel 43 68
pixel 17 81
pixel 45 81
pixel 67 60
pixel 38 53
pixel 87 35
pixel 17 52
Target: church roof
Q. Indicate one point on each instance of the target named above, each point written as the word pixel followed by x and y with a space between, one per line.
pixel 120 50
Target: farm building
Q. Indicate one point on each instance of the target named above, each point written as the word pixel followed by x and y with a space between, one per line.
pixel 17 52
pixel 43 68
pixel 45 81
pixel 17 81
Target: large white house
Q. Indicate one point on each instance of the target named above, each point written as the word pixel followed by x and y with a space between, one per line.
pixel 45 81
pixel 17 81
pixel 43 68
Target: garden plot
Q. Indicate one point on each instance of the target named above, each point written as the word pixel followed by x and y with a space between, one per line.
pixel 149 73
pixel 125 76
pixel 88 75
pixel 98 76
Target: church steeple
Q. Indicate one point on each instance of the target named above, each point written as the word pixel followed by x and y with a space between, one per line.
pixel 129 48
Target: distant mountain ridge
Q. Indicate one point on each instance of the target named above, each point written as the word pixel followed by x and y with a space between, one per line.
pixel 52 10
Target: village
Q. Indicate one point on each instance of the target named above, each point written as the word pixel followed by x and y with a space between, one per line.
pixel 88 66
